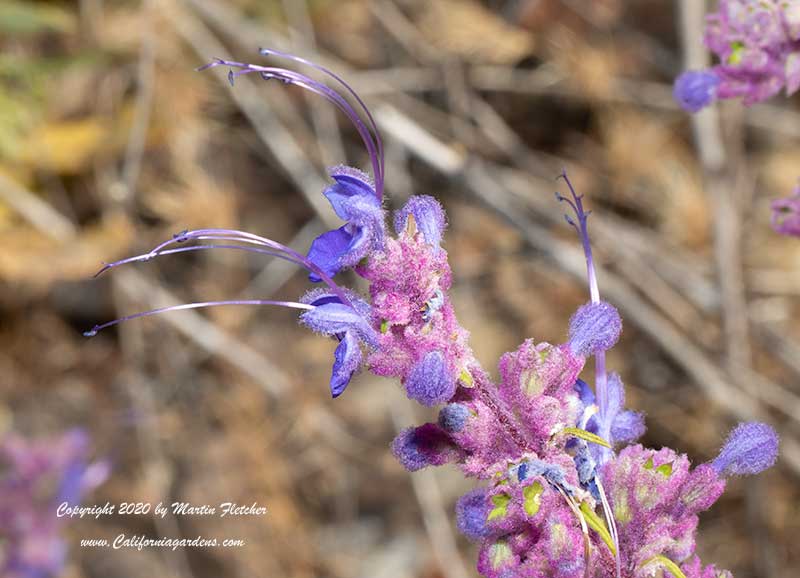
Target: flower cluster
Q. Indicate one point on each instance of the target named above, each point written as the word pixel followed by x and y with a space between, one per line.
pixel 758 45
pixel 555 499
pixel 35 478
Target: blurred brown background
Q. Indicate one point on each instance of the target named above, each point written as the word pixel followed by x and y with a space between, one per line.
pixel 111 143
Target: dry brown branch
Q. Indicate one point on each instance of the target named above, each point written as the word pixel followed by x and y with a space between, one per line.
pixel 721 187
pixel 426 489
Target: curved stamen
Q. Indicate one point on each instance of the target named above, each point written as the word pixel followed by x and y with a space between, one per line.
pixel 587 544
pixel 150 255
pixel 352 92
pixel 374 146
pixel 576 204
pixel 281 251
pixel 291 304
pixel 612 525
pixel 601 379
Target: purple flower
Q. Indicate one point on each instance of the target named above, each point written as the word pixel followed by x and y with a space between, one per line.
pixel 694 90
pixel 428 216
pixel 615 425
pixel 329 316
pixel 347 360
pixel 430 382
pixel 619 425
pixel 758 48
pixel 326 252
pixel 348 322
pixel 38 477
pixel 786 215
pixel 354 200
pixel 751 448
pixel 453 417
pixel 595 327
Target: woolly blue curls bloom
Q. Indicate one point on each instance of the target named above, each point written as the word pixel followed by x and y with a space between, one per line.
pixel 355 197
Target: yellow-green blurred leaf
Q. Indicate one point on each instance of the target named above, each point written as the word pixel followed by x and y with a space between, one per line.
pixel 65 146
pixel 33 258
pixel 20 18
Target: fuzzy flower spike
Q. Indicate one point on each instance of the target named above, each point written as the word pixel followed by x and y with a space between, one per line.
pixel 561 492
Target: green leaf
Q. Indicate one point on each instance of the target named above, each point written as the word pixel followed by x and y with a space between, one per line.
pixel 586 435
pixel 597 524
pixel 20 18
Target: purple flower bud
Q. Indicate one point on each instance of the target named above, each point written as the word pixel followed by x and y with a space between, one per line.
pixel 593 328
pixel 695 90
pixel 751 448
pixel 419 447
pixel 430 382
pixel 427 213
pixel 471 512
pixel 453 417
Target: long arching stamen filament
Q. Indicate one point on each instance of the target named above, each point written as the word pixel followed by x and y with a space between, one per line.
pixel 601 378
pixel 149 256
pixel 587 543
pixel 374 146
pixel 373 125
pixel 276 249
pixel 612 525
pixel 291 304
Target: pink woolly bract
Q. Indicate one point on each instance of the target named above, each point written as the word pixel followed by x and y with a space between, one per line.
pixel 405 280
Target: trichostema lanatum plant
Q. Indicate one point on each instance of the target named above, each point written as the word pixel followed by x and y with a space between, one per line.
pixel 563 492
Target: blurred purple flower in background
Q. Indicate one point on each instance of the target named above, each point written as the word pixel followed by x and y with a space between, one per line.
pixel 758 46
pixel 696 90
pixel 786 214
pixel 36 477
